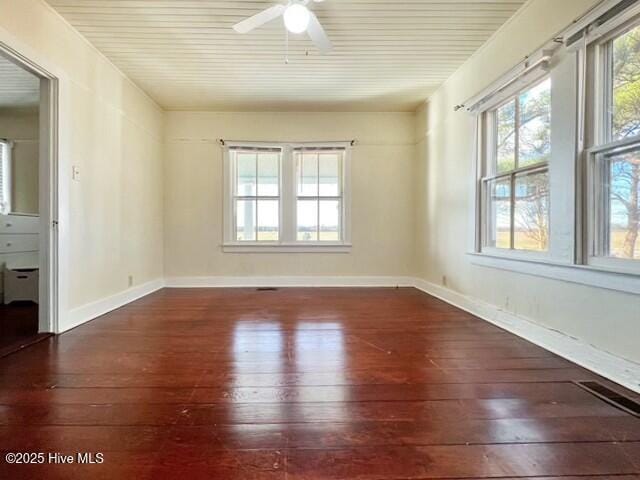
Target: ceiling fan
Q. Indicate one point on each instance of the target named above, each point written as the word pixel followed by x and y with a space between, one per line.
pixel 298 18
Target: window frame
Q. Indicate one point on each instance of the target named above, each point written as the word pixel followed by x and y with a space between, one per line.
pixel 601 146
pixel 287 242
pixel 5 177
pixel 319 198
pixel 488 166
pixel 235 197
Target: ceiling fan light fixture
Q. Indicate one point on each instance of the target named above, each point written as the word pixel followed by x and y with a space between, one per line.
pixel 296 18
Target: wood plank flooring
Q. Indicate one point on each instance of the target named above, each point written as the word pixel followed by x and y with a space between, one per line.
pixel 18 326
pixel 302 384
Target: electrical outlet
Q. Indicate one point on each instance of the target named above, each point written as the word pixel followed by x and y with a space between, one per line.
pixel 131 280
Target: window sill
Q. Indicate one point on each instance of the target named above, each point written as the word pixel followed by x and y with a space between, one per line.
pixel 580 274
pixel 286 248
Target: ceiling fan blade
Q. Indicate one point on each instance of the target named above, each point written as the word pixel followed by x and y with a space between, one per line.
pixel 318 35
pixel 259 19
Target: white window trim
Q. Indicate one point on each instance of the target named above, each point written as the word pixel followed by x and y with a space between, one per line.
pixel 5 178
pixel 288 198
pixel 599 132
pixel 580 274
pixel 570 264
pixel 595 222
pixel 485 165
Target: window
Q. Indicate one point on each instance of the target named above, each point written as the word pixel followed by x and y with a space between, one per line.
pixel 319 195
pixel 286 197
pixel 516 181
pixel 556 185
pixel 5 177
pixel 614 174
pixel 256 194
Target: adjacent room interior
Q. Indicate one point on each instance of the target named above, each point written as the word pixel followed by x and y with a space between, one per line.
pixel 320 239
pixel 19 206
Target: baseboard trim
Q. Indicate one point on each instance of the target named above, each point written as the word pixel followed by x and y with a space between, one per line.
pixel 616 369
pixel 90 311
pixel 288 281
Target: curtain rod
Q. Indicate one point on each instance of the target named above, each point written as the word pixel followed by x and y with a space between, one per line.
pixel 353 142
pixel 528 65
pixel 564 37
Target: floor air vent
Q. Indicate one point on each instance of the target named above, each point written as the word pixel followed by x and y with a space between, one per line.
pixel 266 289
pixel 614 398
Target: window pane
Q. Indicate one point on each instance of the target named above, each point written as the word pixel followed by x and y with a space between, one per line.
pixel 330 220
pixel 499 213
pixel 307 174
pixel 531 213
pixel 268 220
pixel 624 205
pixel 246 174
pixel 626 85
pixel 308 220
pixel 5 200
pixel 245 220
pixel 505 137
pixel 534 142
pixel 330 174
pixel 268 174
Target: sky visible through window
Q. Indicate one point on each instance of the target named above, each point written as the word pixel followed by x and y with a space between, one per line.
pixel 319 191
pixel 318 203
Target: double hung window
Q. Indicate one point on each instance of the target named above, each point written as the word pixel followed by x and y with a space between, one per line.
pixel 516 181
pixel 287 195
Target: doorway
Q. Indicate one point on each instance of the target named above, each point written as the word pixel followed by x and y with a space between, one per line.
pixel 28 207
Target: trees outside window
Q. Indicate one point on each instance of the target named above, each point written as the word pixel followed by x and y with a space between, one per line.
pixel 517 191
pixel 624 169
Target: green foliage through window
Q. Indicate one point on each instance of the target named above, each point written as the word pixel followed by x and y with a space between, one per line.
pixel 624 170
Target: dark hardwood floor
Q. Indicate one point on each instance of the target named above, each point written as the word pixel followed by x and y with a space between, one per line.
pixel 18 326
pixel 306 384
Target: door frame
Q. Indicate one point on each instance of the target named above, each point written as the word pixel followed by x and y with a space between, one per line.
pixel 49 307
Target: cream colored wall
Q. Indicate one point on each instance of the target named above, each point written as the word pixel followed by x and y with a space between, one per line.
pixel 111 220
pixel 22 126
pixel 382 192
pixel 605 319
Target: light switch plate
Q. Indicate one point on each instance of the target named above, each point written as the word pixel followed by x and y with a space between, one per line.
pixel 75 173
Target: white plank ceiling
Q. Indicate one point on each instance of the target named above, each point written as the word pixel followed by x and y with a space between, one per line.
pixel 388 55
pixel 18 88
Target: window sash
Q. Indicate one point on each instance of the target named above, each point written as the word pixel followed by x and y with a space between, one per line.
pixel 605 145
pixel 602 62
pixel 256 199
pixel 491 167
pixel 512 176
pixel 599 203
pixel 318 198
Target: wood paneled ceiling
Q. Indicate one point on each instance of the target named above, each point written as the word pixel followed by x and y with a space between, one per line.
pixel 18 88
pixel 388 54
